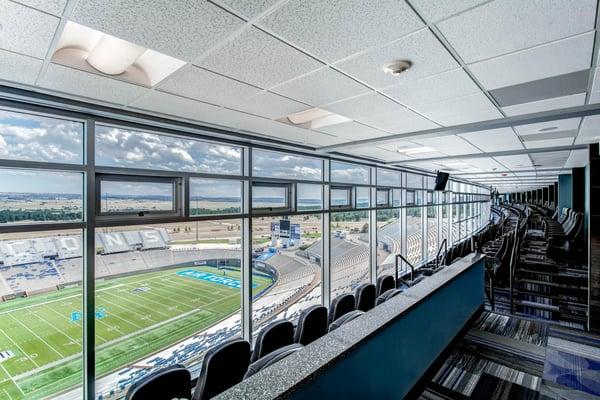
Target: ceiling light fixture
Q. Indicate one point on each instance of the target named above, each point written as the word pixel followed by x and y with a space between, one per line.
pixel 397 67
pixel 314 118
pixel 93 51
pixel 549 128
pixel 415 150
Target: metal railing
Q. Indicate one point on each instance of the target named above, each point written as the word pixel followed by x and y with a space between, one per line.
pixel 437 256
pixel 412 269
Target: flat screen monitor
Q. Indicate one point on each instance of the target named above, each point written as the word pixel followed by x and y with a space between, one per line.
pixel 441 180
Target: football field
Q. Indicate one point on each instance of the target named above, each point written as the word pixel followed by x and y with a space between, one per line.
pixel 41 336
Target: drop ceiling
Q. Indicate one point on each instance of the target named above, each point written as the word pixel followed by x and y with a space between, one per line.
pixel 251 63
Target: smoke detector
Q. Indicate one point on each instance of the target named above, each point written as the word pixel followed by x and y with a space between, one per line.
pixel 397 67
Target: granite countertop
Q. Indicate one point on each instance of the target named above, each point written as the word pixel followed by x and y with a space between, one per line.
pixel 281 378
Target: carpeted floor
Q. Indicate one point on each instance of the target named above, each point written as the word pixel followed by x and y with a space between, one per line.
pixel 503 358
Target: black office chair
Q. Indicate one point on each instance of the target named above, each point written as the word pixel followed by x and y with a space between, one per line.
pixel 388 295
pixel 385 283
pixel 174 382
pixel 272 337
pixel 312 324
pixel 223 367
pixel 344 319
pixel 272 358
pixel 341 305
pixel 365 297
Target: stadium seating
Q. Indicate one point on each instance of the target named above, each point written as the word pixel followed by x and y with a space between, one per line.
pixel 223 366
pixel 388 295
pixel 272 337
pixel 385 283
pixel 174 382
pixel 341 305
pixel 272 358
pixel 365 296
pixel 344 319
pixel 312 324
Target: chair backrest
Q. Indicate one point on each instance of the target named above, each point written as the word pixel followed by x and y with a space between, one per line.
pixel 223 366
pixel 365 297
pixel 174 382
pixel 385 283
pixel 273 336
pixel 341 305
pixel 344 319
pixel 312 324
pixel 272 358
pixel 388 295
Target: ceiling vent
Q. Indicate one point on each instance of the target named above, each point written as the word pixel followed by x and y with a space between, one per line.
pixel 92 51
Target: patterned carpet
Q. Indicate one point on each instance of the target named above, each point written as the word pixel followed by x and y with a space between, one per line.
pixel 504 358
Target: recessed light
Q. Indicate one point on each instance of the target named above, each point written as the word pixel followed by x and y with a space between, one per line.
pixel 314 118
pixel 549 128
pixel 93 51
pixel 414 150
pixel 397 67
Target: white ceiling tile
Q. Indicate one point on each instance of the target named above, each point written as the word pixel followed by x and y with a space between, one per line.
pixel 55 7
pixel 203 85
pixel 335 29
pixel 484 164
pixel 184 31
pixel 427 54
pixel 545 105
pixel 596 82
pixel 353 130
pixel 590 130
pixel 18 68
pixel 401 121
pixel 551 159
pixel 501 27
pixel 259 59
pixel 449 144
pixel 549 143
pixel 550 59
pixel 444 86
pixel 248 9
pixel 461 110
pixel 321 87
pixel 501 139
pixel 364 106
pixel 520 161
pixel 374 152
pixel 541 127
pixel 25 30
pixel 168 104
pixel 428 154
pixel 435 10
pixel 594 98
pixel 577 159
pixel 92 86
pixel 269 105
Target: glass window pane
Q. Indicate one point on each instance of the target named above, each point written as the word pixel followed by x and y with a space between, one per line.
pixel 309 197
pixel 41 315
pixel 168 288
pixel 120 147
pixel 341 197
pixel 396 197
pixel 127 197
pixel 414 181
pixel 286 275
pixel 269 196
pixel 215 196
pixel 40 196
pixel 414 232
pixel 383 197
pixel 432 231
pixel 387 177
pixel 388 240
pixel 349 173
pixel 349 251
pixel 363 196
pixel 35 138
pixel 271 164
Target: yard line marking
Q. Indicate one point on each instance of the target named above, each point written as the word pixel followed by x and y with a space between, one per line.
pixel 186 305
pixel 13 381
pixel 19 347
pixel 119 317
pixel 36 335
pixel 53 327
pixel 148 310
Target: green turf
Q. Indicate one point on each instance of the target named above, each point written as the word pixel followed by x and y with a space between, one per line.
pixel 47 344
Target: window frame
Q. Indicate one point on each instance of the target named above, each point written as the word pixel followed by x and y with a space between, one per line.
pixel 177 186
pixel 289 197
pixel 349 190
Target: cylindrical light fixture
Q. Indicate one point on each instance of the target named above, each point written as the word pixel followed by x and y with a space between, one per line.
pixel 112 56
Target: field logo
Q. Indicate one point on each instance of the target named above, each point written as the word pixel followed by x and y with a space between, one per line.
pixel 208 277
pixel 100 313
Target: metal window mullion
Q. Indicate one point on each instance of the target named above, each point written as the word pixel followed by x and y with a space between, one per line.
pixel 403 227
pixel 89 351
pixel 373 238
pixel 326 238
pixel 246 292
